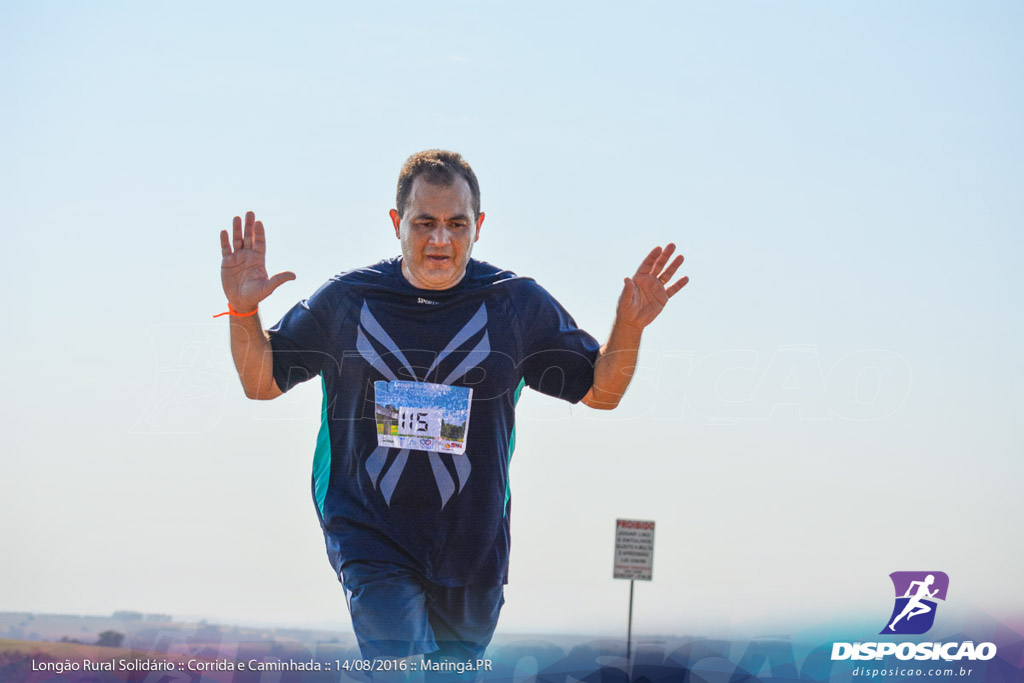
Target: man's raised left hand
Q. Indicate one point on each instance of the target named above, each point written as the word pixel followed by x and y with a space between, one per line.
pixel 645 295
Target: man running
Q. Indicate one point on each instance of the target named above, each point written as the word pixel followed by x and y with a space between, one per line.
pixel 421 359
pixel 915 606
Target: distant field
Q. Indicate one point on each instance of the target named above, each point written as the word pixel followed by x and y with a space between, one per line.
pixel 72 651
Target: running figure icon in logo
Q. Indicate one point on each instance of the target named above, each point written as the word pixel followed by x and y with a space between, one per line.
pixel 916 593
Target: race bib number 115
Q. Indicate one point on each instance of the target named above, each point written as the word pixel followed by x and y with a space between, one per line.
pixel 422 416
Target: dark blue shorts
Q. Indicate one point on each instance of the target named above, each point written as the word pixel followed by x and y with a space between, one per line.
pixel 397 613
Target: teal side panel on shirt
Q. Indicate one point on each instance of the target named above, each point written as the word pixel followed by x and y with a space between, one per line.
pixel 322 456
pixel 512 448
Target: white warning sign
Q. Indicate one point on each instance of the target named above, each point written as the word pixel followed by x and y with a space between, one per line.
pixel 634 549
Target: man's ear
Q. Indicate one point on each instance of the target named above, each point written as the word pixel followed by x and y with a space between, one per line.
pixel 479 224
pixel 397 221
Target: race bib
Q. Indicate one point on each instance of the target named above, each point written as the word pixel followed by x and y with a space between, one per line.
pixel 422 416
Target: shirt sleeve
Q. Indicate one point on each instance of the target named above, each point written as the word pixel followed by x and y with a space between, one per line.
pixel 560 356
pixel 300 341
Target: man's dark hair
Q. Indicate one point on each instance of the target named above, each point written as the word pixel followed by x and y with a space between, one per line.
pixel 438 167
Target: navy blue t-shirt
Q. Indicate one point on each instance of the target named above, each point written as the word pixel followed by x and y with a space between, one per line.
pixel 443 515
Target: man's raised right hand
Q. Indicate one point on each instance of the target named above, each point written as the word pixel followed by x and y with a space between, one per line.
pixel 243 271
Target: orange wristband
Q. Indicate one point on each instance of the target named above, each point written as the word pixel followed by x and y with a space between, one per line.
pixel 236 314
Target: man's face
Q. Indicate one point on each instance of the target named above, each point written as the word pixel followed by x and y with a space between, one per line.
pixel 437 231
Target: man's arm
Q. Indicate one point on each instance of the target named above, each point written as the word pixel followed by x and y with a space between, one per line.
pixel 250 349
pixel 643 298
pixel 243 274
pixel 910 588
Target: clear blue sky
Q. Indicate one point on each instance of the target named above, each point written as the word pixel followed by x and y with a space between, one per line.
pixel 836 395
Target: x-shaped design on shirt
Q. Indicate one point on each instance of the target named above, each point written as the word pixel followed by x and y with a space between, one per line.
pixel 370 328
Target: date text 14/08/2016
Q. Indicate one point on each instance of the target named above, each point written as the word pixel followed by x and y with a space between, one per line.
pixel 413 666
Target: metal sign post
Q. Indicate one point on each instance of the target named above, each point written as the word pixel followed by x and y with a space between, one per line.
pixel 634 560
pixel 629 626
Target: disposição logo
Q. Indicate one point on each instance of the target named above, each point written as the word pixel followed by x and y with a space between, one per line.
pixel 913 612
